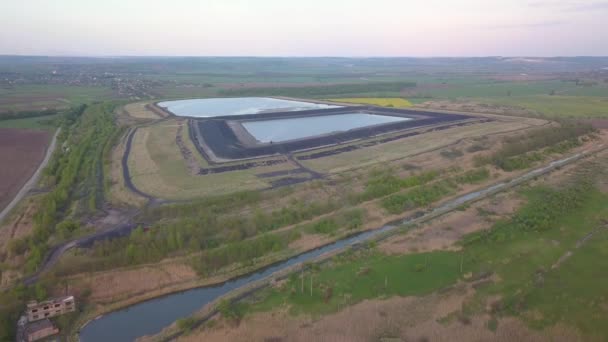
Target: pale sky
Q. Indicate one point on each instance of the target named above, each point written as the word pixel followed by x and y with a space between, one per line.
pixel 304 27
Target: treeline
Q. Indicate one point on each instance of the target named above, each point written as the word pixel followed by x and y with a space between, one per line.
pixel 515 152
pixel 418 197
pixel 334 89
pixel 205 206
pixel 211 226
pixel 384 182
pixel 10 115
pixel 12 303
pixel 350 219
pixel 208 228
pixel 216 222
pixel 473 176
pixel 244 252
pixel 147 246
pixel 75 174
pixel 426 194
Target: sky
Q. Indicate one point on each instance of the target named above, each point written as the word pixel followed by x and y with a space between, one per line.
pixel 418 28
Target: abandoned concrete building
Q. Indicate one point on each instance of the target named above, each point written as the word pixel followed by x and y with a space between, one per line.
pixel 39 330
pixel 50 308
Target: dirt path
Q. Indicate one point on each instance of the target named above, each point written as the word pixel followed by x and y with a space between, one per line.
pixel 127 175
pixel 33 180
pixel 191 163
pixel 578 245
pixel 122 228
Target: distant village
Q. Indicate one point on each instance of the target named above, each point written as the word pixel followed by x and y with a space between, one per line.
pixel 123 85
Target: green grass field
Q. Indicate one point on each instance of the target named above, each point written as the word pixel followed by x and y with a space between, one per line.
pixel 473 87
pixel 554 98
pixel 396 102
pixel 37 97
pixel 400 149
pixel 158 168
pixel 48 122
pixel 558 106
pixel 574 292
pixel 355 277
pixel 521 251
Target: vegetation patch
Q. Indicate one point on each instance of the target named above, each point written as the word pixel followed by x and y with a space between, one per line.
pixel 46 122
pixel 75 173
pixel 356 276
pixel 451 153
pixel 560 106
pixel 522 251
pixel 321 90
pixel 519 152
pixel 242 252
pixel 474 176
pixel 349 219
pixel 418 197
pixel 396 102
pixel 383 182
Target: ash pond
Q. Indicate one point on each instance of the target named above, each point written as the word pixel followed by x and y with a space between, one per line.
pixel 207 108
pixel 278 130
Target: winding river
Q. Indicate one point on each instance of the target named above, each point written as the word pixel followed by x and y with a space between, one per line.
pixel 152 316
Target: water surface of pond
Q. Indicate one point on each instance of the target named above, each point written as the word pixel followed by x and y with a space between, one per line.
pixel 205 108
pixel 296 128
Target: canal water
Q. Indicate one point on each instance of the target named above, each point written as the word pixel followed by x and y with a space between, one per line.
pixel 152 316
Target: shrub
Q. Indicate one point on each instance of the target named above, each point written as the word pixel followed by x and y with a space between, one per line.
pixel 186 324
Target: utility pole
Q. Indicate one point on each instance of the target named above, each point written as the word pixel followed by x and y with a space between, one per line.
pixel 302 291
pixel 311 275
pixel 461 261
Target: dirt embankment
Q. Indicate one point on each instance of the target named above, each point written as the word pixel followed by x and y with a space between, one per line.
pixel 444 232
pixel 471 106
pixel 110 287
pixel 395 319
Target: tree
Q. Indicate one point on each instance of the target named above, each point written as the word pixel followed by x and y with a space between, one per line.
pixel 131 253
pixel 40 292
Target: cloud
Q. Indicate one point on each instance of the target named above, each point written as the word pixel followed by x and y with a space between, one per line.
pixel 595 6
pixel 571 6
pixel 541 24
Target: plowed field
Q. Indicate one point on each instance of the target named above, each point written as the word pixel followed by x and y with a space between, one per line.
pixel 21 151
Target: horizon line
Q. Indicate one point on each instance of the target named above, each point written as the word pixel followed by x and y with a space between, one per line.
pixel 299 56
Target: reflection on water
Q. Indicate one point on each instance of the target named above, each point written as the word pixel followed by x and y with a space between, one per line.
pixel 204 108
pixel 295 128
